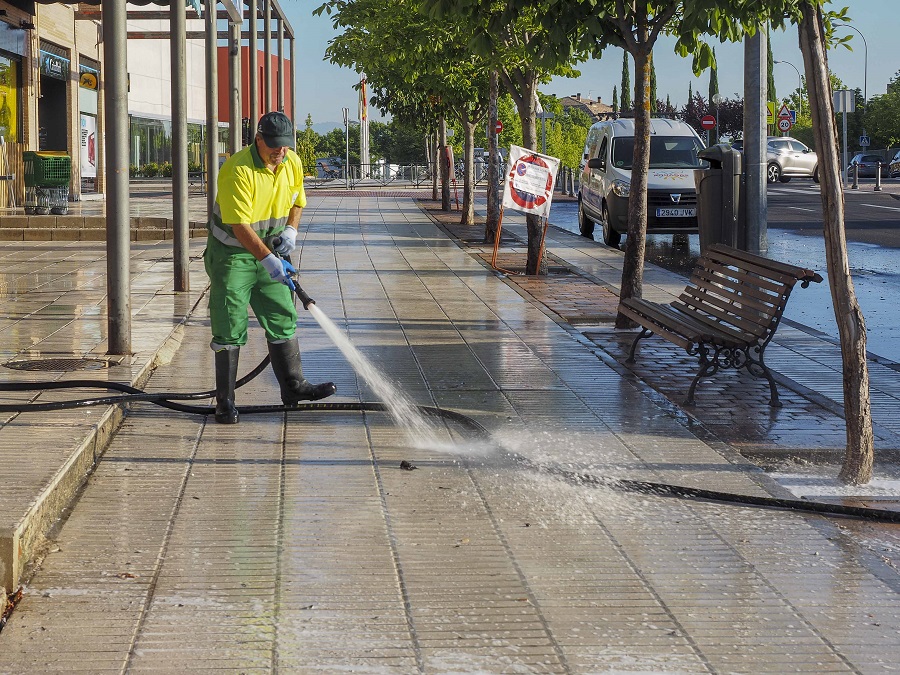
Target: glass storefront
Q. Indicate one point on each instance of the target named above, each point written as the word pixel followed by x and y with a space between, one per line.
pixel 151 145
pixel 10 96
pixel 88 85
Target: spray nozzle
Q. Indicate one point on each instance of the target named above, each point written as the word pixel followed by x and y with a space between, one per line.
pixel 305 300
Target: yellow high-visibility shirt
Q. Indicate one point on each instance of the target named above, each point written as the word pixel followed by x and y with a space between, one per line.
pixel 251 194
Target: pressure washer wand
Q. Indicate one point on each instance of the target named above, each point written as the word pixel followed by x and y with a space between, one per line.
pixel 305 300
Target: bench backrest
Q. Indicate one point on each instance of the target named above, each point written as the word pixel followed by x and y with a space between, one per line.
pixel 741 293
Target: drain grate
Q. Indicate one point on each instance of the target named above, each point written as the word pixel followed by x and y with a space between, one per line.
pixel 59 364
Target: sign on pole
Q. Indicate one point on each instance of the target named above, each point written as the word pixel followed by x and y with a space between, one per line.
pixel 529 182
pixel 784 124
pixel 844 101
pixel 499 126
pixel 708 122
pixel 770 112
pixel 864 141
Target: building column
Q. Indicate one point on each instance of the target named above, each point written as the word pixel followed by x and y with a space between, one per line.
pixel 280 84
pixel 212 105
pixel 253 94
pixel 180 213
pixel 267 56
pixel 118 225
pixel 234 87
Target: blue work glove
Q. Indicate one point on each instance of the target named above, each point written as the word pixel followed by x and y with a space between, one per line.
pixel 288 241
pixel 279 269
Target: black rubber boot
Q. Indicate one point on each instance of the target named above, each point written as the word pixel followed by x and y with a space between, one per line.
pixel 226 374
pixel 294 388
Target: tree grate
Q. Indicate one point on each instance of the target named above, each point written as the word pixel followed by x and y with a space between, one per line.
pixel 57 364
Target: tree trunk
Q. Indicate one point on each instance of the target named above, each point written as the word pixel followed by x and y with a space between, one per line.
pixel 636 241
pixel 859 456
pixel 528 113
pixel 444 163
pixel 493 191
pixel 468 206
pixel 433 163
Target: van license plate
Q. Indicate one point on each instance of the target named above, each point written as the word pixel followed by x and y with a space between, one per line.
pixel 676 213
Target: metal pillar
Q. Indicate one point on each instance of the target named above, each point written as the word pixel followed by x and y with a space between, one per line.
pixel 279 86
pixel 267 56
pixel 754 155
pixel 118 226
pixel 212 104
pixel 180 215
pixel 293 98
pixel 234 87
pixel 253 82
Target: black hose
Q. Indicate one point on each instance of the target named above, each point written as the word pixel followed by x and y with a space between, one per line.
pixel 665 489
pixel 165 399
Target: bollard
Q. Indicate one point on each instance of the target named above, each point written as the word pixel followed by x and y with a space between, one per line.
pixel 878 177
pixel 855 184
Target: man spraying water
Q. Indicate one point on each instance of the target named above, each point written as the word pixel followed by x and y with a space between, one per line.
pixel 259 203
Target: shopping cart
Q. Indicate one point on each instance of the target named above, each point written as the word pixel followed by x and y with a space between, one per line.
pixel 47 176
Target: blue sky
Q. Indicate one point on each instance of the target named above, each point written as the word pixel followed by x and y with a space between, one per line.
pixel 323 89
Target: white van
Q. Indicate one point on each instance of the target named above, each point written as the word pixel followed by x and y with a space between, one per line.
pixel 606 178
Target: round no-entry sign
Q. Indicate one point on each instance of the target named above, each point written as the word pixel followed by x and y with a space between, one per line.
pixel 708 122
pixel 499 126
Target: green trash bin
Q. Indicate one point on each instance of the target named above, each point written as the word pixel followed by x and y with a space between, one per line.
pixel 47 177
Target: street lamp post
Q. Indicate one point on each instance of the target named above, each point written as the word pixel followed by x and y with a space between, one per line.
pixel 799 86
pixel 865 59
pixel 717 99
pixel 346 112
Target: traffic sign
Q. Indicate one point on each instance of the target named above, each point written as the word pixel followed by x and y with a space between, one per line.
pixel 770 112
pixel 499 126
pixel 784 124
pixel 708 122
pixel 864 141
pixel 784 111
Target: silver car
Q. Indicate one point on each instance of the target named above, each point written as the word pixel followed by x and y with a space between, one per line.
pixel 787 158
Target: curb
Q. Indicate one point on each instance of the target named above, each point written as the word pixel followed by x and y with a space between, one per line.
pixel 22 543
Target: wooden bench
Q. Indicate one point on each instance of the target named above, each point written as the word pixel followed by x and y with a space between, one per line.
pixel 726 315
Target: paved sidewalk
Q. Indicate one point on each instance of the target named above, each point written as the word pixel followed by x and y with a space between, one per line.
pixel 295 543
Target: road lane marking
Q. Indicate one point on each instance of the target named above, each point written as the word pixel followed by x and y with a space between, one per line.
pixel 800 208
pixel 878 206
pixel 785 191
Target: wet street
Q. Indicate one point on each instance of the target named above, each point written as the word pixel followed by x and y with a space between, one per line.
pixel 328 541
pixel 795 236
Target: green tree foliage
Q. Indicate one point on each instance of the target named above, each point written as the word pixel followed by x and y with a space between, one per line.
pixel 713 78
pixel 306 147
pixel 654 104
pixel 615 101
pixel 566 132
pixel 730 115
pixel 334 144
pixel 419 67
pixel 625 104
pixel 526 52
pixel 882 116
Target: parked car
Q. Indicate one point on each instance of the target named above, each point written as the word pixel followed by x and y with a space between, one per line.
pixel 788 158
pixel 606 178
pixel 894 166
pixel 868 165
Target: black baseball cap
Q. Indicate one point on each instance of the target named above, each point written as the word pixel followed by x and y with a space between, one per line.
pixel 276 130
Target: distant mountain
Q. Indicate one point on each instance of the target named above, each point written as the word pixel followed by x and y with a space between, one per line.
pixel 323 128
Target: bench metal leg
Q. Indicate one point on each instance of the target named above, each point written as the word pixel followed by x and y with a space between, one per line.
pixel 708 367
pixel 644 333
pixel 758 368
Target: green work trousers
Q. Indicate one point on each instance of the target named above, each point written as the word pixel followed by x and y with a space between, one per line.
pixel 237 279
